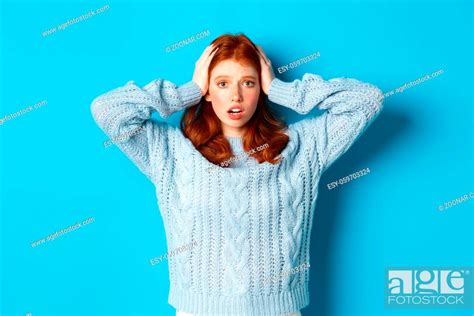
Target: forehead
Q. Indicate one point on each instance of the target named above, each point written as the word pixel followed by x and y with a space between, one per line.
pixel 233 68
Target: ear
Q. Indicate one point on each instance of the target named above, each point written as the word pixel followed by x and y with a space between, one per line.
pixel 208 97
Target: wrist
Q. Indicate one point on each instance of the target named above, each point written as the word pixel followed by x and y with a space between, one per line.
pixel 269 85
pixel 190 93
pixel 280 92
pixel 201 87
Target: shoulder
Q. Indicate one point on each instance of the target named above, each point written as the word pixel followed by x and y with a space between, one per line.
pixel 304 137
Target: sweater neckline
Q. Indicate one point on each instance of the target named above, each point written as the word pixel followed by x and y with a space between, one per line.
pixel 236 143
pixel 290 147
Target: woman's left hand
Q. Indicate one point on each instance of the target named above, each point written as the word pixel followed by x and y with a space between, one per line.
pixel 267 74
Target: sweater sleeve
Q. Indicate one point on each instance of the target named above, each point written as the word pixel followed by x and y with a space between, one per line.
pixel 350 107
pixel 124 114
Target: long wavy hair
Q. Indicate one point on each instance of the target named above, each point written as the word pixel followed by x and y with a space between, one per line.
pixel 264 130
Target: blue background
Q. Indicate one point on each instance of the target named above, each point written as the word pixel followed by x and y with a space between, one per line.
pixel 56 172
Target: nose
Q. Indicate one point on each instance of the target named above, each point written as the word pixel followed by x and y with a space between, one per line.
pixel 236 95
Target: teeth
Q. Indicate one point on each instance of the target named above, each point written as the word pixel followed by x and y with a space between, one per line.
pixel 235 111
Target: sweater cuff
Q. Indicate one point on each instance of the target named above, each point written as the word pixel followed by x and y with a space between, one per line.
pixel 280 92
pixel 190 93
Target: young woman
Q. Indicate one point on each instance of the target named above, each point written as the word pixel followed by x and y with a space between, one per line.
pixel 234 181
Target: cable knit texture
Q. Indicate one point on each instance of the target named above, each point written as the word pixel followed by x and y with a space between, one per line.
pixel 250 223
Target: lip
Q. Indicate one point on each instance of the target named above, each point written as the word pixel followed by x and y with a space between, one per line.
pixel 235 116
pixel 235 106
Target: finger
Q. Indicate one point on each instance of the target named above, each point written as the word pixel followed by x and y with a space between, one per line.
pixel 214 48
pixel 264 60
pixel 262 54
pixel 206 51
pixel 260 50
pixel 211 54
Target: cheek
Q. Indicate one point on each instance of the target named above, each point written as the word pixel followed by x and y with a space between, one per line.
pixel 252 98
pixel 219 102
pixel 218 99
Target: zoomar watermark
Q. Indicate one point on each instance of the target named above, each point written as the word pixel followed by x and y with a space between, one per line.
pixel 75 20
pixel 456 201
pixel 187 41
pixel 173 253
pixel 63 231
pixel 21 112
pixel 348 178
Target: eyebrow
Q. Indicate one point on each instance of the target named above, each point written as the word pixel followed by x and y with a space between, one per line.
pixel 244 77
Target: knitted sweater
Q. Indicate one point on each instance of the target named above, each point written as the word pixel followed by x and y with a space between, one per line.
pixel 243 232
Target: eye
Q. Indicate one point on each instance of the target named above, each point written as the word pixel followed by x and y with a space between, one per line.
pixel 219 84
pixel 249 83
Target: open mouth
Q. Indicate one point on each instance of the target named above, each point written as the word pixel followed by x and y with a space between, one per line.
pixel 235 111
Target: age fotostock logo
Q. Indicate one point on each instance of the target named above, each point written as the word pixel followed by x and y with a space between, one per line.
pixel 428 287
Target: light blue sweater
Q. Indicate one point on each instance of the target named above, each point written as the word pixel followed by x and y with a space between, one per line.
pixel 250 223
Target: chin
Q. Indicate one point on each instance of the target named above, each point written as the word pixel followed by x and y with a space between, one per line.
pixel 235 124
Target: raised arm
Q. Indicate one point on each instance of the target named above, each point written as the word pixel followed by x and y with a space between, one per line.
pixel 351 106
pixel 124 114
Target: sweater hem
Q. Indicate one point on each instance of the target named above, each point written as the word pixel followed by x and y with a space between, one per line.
pixel 249 305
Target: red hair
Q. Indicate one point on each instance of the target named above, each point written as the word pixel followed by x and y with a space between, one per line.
pixel 203 128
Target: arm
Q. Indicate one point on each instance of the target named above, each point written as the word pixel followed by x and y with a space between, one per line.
pixel 124 114
pixel 351 106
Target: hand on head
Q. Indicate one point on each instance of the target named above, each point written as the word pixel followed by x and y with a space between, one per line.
pixel 200 76
pixel 267 75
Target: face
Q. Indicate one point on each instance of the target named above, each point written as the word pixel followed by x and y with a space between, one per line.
pixel 233 91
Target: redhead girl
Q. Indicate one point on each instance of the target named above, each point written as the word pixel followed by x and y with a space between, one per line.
pixel 233 179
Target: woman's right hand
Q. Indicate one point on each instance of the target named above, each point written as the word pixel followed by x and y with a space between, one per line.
pixel 200 76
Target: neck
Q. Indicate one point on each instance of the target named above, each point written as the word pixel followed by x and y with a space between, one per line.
pixel 233 132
